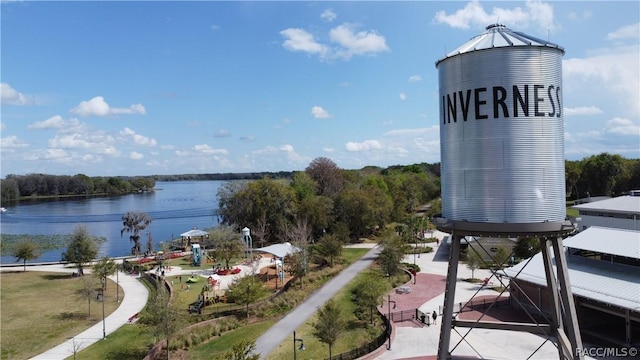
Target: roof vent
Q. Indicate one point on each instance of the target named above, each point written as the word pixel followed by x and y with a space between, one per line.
pixel 494 26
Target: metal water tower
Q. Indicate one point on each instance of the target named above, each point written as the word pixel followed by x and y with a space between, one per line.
pixel 502 163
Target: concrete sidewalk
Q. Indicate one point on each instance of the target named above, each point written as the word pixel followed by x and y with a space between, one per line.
pixel 133 300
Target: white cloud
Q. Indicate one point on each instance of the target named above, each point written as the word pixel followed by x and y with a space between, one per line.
pixel 580 16
pixel 402 96
pixel 301 40
pixel 54 122
pixel 221 133
pixel 474 15
pixel 328 15
pixel 57 155
pixel 623 127
pixel 614 70
pixel 247 138
pixel 348 42
pixel 137 138
pixel 98 107
pixel 206 149
pixel 415 78
pixel 625 32
pixel 12 142
pixel 134 155
pixel 360 43
pixel 319 113
pixel 585 110
pixel 366 145
pixel 11 96
pixel 329 150
pixel 95 142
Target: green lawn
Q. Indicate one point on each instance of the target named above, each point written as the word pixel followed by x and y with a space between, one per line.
pixel 21 294
pixel 41 310
pixel 219 345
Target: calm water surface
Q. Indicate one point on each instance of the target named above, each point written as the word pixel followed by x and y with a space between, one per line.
pixel 175 207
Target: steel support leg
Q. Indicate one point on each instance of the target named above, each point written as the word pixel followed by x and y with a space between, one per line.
pixel 449 298
pixel 552 286
pixel 569 307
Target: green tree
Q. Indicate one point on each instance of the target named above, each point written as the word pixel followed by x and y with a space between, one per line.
pixel 103 268
pixel 355 208
pixel 134 222
pixel 270 201
pixel 241 351
pixel 330 323
pixel 24 251
pixel 526 247
pixel 600 173
pixel 473 261
pixel 246 291
pixel 501 256
pixel 226 244
pixel 82 249
pixel 164 316
pixel 368 291
pixel 330 247
pixel 392 253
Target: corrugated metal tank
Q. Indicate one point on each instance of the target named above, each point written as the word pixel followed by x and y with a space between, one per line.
pixel 501 129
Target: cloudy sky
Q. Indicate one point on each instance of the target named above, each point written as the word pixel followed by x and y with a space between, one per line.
pixel 141 88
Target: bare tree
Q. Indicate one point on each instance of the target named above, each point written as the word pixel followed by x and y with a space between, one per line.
pixel 299 236
pixel 261 231
pixel 327 176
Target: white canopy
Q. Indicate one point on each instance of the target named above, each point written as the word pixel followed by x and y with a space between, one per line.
pixel 194 233
pixel 279 250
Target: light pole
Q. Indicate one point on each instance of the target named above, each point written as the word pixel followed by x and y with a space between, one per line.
pixel 117 282
pixel 389 301
pixel 295 347
pixel 104 332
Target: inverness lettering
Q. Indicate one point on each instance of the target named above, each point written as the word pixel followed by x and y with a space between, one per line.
pixel 494 102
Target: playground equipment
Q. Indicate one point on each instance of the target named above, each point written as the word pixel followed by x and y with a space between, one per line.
pixel 196 252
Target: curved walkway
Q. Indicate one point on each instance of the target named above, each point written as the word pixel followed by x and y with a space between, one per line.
pixel 134 298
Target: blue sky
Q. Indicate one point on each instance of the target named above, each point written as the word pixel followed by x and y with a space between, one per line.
pixel 140 88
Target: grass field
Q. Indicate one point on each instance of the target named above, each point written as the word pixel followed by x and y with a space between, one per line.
pixel 41 310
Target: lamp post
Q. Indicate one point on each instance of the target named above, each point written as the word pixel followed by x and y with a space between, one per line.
pixel 389 301
pixel 294 345
pixel 117 282
pixel 104 332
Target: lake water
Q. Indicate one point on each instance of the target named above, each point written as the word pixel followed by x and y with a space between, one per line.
pixel 175 207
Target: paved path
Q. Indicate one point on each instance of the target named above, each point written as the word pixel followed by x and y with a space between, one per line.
pixel 266 343
pixel 133 301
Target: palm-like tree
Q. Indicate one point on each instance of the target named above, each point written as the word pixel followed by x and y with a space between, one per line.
pixel 134 222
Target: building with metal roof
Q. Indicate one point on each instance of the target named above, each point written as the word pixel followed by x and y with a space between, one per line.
pixel 604 268
pixel 622 212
